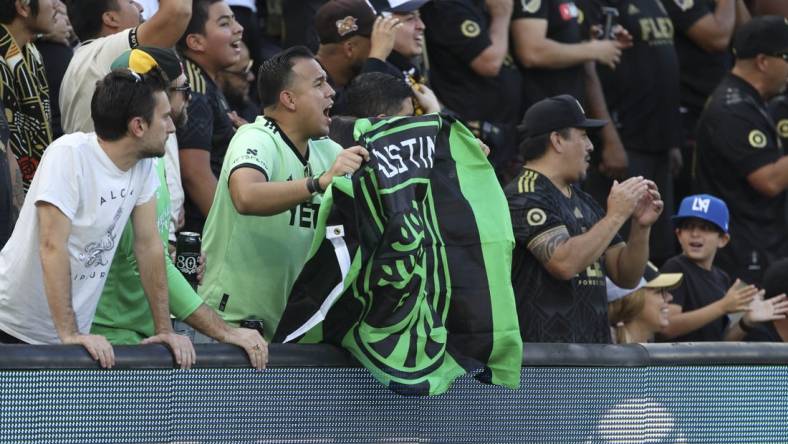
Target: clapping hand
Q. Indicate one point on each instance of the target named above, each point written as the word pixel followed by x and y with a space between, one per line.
pixel 649 207
pixel 771 309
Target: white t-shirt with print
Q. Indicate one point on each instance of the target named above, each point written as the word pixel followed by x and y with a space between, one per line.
pixel 91 62
pixel 77 177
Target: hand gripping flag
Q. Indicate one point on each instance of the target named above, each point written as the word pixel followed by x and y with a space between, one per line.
pixel 410 268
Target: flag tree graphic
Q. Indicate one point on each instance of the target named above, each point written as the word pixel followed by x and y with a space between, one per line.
pixel 410 269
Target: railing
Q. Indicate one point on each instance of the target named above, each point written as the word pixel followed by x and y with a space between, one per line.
pixel 655 393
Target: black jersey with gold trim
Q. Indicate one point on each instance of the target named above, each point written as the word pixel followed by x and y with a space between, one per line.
pixel 736 137
pixel 208 128
pixel 778 110
pixel 551 309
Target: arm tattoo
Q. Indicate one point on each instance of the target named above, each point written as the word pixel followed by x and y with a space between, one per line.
pixel 544 245
pixel 17 186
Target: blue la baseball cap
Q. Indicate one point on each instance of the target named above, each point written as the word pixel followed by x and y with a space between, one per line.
pixel 706 207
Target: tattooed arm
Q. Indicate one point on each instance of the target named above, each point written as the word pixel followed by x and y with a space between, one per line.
pixel 564 256
pixel 17 186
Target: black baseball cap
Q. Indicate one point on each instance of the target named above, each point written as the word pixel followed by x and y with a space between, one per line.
pixel 397 6
pixel 766 34
pixel 339 20
pixel 555 113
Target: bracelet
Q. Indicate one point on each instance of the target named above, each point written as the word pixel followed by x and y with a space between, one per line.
pixel 743 326
pixel 313 185
pixel 318 188
pixel 310 185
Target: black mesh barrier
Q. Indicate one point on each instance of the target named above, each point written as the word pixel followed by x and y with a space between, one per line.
pixel 679 394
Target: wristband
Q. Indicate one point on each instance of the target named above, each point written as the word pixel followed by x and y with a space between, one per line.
pixel 317 186
pixel 310 185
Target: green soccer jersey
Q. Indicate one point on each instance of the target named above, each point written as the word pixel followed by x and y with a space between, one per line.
pixel 254 260
pixel 123 314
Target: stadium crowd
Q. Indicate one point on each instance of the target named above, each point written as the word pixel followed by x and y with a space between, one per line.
pixel 639 144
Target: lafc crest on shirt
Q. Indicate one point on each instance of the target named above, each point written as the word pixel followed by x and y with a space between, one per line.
pixel 782 128
pixel 684 4
pixel 470 29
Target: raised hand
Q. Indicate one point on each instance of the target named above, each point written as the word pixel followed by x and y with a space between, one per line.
pixel 426 98
pixel 649 207
pixel 347 162
pixel 624 196
pixel 768 310
pixel 738 297
pixel 384 32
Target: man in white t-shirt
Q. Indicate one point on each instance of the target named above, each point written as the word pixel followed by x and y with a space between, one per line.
pixel 87 186
pixel 107 28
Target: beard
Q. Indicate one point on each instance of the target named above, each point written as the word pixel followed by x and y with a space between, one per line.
pixel 181 119
pixel 153 150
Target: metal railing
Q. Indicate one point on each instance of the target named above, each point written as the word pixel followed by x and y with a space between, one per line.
pixel 710 392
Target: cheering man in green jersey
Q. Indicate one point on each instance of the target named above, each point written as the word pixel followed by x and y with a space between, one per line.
pixel 263 215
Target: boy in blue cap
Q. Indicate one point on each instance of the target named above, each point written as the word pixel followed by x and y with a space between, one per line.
pixel 705 296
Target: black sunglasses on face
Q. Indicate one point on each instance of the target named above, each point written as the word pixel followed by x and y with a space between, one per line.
pixel 186 89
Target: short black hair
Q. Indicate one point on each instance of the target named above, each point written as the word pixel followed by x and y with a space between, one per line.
pixel 85 16
pixel 275 73
pixel 121 96
pixel 8 10
pixel 682 223
pixel 375 93
pixel 200 10
pixel 535 147
pixel 341 130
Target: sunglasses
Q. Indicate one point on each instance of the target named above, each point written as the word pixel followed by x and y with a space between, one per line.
pixel 186 89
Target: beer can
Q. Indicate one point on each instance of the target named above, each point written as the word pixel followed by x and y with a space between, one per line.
pixel 187 255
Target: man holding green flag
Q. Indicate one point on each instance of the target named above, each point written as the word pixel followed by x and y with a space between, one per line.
pixel 410 269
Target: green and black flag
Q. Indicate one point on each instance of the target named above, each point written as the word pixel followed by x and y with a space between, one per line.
pixel 410 269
